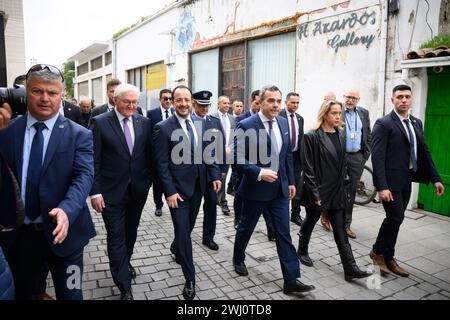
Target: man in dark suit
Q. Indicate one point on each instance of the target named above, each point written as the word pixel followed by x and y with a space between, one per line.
pixel 201 103
pixel 267 184
pixel 86 111
pixel 357 140
pixel 228 124
pixel 157 115
pixel 295 122
pixel 72 112
pixel 52 160
pixel 237 204
pixel 122 160
pixel 399 156
pixel 183 178
pixel 109 106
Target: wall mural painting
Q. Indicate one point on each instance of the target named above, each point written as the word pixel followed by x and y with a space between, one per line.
pixel 186 32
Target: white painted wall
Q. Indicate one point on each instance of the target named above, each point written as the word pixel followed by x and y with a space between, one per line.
pixel 321 68
pixel 14 39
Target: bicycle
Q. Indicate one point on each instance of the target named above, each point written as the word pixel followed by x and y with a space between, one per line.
pixel 365 190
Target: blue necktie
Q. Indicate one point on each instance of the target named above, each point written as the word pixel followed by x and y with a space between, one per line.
pixel 412 153
pixel 32 197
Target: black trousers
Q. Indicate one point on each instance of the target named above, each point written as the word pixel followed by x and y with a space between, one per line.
pixel 157 192
pixel 355 167
pixel 337 220
pixel 395 213
pixel 121 223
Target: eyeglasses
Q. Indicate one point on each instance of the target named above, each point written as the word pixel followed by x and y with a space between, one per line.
pixel 351 98
pixel 129 103
pixel 167 99
pixel 40 67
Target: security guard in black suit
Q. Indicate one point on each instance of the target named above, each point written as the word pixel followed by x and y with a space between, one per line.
pixel 201 105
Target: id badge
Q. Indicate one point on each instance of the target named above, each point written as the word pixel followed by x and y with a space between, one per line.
pixel 353 135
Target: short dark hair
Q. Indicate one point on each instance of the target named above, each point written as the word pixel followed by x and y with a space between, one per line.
pixel 20 79
pixel 112 83
pixel 292 94
pixel 255 94
pixel 270 88
pixel 400 87
pixel 179 88
pixel 164 91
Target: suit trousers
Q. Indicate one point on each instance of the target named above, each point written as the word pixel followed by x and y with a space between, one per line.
pixel 122 222
pixel 238 208
pixel 278 210
pixel 183 219
pixel 355 167
pixel 295 202
pixel 221 196
pixel 209 212
pixel 337 220
pixel 395 213
pixel 30 253
pixel 157 192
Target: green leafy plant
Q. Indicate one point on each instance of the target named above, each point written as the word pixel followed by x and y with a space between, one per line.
pixel 442 40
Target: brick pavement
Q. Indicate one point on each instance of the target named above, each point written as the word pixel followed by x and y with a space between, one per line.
pixel 423 248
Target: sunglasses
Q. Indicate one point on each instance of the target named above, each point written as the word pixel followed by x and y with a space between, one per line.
pixel 167 99
pixel 40 67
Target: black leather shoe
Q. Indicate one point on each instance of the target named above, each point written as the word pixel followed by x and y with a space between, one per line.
pixel 226 211
pixel 297 220
pixel 271 236
pixel 211 244
pixel 296 287
pixel 132 271
pixel 236 224
pixel 172 250
pixel 230 191
pixel 189 290
pixel 126 295
pixel 158 212
pixel 241 269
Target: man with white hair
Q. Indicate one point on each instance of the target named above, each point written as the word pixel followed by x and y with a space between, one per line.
pixel 122 163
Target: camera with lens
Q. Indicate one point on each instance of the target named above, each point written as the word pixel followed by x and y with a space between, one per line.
pixel 16 97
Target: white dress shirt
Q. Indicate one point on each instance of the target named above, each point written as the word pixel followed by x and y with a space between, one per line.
pixel 182 122
pixel 407 133
pixel 130 124
pixel 163 113
pixel 226 125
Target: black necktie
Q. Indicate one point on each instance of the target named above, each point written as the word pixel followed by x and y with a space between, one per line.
pixel 167 114
pixel 412 153
pixel 293 132
pixel 191 136
pixel 32 198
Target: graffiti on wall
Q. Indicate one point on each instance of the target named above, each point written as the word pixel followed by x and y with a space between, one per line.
pixel 356 27
pixel 186 32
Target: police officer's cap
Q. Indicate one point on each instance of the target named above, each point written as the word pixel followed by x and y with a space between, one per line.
pixel 202 97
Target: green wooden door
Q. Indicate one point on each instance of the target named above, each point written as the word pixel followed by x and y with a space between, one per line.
pixel 437 136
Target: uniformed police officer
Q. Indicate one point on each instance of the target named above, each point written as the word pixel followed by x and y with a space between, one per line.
pixel 201 103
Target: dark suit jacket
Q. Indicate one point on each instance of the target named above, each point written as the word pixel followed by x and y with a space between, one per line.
pixel 67 175
pixel 324 172
pixel 155 115
pixel 115 168
pixel 179 178
pixel 366 134
pixel 296 155
pixel 391 155
pixel 99 110
pixel 250 187
pixel 72 112
pixel 243 116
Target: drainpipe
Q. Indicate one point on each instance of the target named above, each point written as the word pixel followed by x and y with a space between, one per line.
pixel 382 72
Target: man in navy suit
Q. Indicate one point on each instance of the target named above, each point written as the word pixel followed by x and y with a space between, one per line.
pixel 201 103
pixel 122 161
pixel 399 157
pixel 183 173
pixel 157 115
pixel 52 159
pixel 237 203
pixel 268 184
